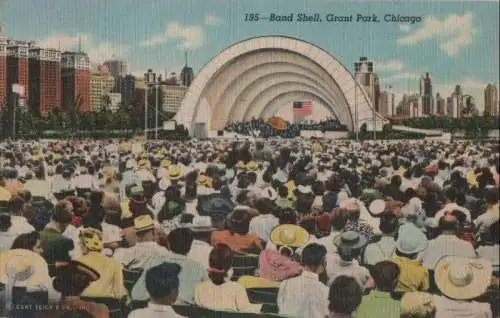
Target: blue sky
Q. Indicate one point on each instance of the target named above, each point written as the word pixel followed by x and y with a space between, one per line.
pixel 457 42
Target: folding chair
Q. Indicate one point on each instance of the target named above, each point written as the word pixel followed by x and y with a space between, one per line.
pixel 131 277
pixel 244 264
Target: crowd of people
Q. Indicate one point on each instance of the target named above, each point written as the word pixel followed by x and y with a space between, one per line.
pixel 299 227
pixel 262 129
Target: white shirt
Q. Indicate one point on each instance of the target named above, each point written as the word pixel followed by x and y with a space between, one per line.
pixel 336 267
pixel 38 188
pixel 490 253
pixel 445 245
pixel 6 240
pixel 262 225
pixel 200 252
pixel 85 181
pixel 20 225
pixel 303 296
pixel 448 308
pixel 154 311
pixel 73 233
pixel 140 255
pixel 485 220
pixel 145 175
pixel 383 250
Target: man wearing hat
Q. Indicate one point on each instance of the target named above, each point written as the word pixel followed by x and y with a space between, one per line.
pixel 349 245
pixel 263 224
pixel 140 255
pixel 413 276
pixel 143 172
pixel 460 280
pixel 110 283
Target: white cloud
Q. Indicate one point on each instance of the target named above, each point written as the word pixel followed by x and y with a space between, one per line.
pixel 404 27
pixel 455 32
pixel 191 36
pixel 391 65
pixel 212 20
pixel 403 76
pixel 97 52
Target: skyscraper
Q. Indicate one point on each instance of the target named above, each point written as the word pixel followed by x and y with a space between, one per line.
pixel 440 105
pixel 3 73
pixel 187 74
pixel 18 66
pixel 100 85
pixel 491 100
pixel 125 85
pixel 172 97
pixel 75 79
pixel 44 79
pixel 383 104
pixel 368 79
pixel 426 95
pixel 117 67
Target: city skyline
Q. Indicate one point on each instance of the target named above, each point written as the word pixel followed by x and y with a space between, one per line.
pixel 457 42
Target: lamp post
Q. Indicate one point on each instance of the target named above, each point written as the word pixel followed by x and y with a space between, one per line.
pixel 156 111
pixel 356 123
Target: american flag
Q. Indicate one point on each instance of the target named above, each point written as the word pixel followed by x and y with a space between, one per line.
pixel 302 108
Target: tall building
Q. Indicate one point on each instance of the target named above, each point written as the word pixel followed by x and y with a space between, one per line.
pixel 140 93
pixel 44 79
pixel 117 67
pixel 410 106
pixel 3 73
pixel 367 78
pixel 18 65
pixel 172 97
pixel 426 94
pixel 491 100
pixel 449 106
pixel 383 104
pixel 115 100
pixel 125 85
pixel 458 101
pixel 100 85
pixel 440 105
pixel 187 74
pixel 75 80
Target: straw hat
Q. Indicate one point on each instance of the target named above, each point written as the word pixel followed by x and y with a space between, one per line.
pixel 304 189
pixel 165 163
pixel 137 190
pixel 143 223
pixel 289 235
pixel 463 278
pixel 252 166
pixel 92 239
pixel 28 268
pixel 203 180
pixel 240 165
pixel 377 207
pixel 417 304
pixel 174 173
pixel 350 240
pixel 269 193
pixel 143 164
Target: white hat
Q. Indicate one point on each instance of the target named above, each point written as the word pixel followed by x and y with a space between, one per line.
pixel 269 193
pixel 411 239
pixel 377 207
pixel 463 277
pixel 304 189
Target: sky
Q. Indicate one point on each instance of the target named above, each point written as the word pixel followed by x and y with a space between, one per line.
pixel 456 42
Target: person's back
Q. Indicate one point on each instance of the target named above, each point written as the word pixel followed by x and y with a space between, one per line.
pixel 305 295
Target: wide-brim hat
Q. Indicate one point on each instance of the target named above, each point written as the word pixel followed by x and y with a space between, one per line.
pixel 143 223
pixel 377 207
pixel 175 173
pixel 252 166
pixel 304 189
pixel 289 235
pixel 462 277
pixel 29 268
pixel 269 193
pixel 200 224
pixel 240 165
pixel 350 240
pixel 143 164
pixel 411 239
